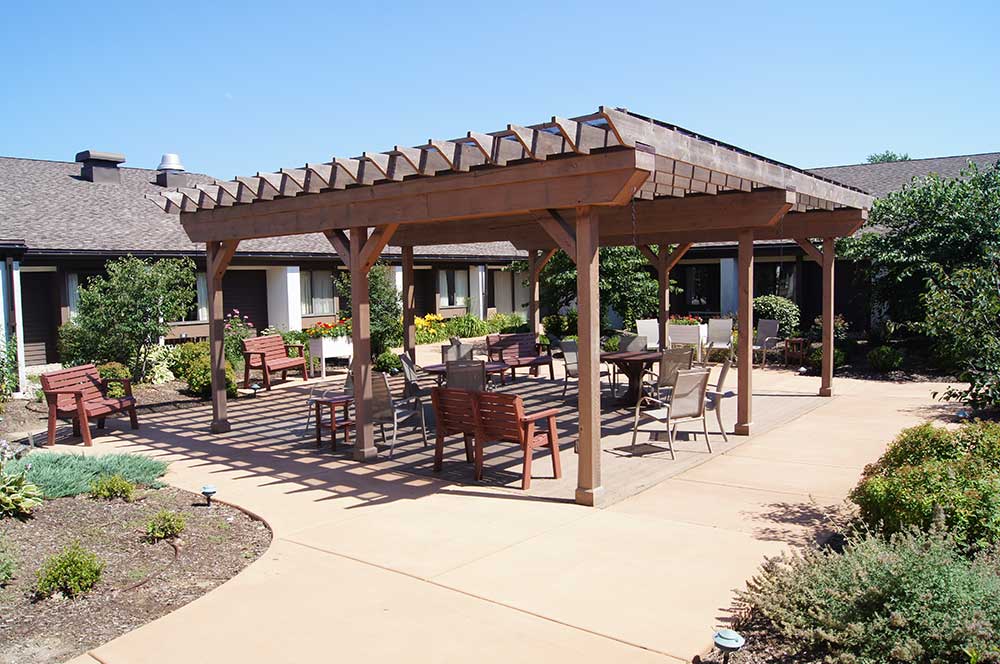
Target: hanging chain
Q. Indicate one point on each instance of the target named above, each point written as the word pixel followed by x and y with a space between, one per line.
pixel 635 226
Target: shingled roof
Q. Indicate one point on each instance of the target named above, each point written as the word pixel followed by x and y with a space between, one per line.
pixel 48 206
pixel 881 179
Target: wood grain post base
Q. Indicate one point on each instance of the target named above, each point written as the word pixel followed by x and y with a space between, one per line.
pixel 220 426
pixel 742 429
pixel 590 497
pixel 365 453
pixel 826 391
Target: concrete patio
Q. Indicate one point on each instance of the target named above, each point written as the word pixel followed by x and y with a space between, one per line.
pixel 383 562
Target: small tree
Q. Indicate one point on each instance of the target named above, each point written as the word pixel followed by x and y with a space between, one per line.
pixel 386 308
pixel 887 156
pixel 122 315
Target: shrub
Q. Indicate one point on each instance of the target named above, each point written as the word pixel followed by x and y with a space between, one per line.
pixel 885 358
pixel 466 326
pixel 8 565
pixel 160 358
pixel 815 360
pixel 911 598
pixel 18 495
pixel 237 327
pixel 611 344
pixel 114 370
pixel 840 329
pixel 165 524
pixel 199 378
pixel 122 315
pixel 781 309
pixel 388 362
pixel 58 475
pixel 109 487
pixel 73 572
pixel 914 446
pixel 386 308
pixel 512 323
pixel 561 325
pixel 180 360
pixel 8 372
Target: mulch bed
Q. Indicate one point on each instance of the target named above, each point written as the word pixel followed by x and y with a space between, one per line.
pixel 763 646
pixel 140 582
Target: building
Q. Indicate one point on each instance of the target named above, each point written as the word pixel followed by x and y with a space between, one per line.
pixel 60 222
pixel 707 273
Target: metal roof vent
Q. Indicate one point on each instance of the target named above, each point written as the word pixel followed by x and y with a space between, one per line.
pixel 170 162
pixel 100 167
pixel 170 172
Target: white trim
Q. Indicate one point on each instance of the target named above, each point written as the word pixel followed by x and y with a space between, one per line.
pixel 22 374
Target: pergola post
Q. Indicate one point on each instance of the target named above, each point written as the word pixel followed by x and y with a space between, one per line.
pixel 744 351
pixel 217 257
pixel 589 489
pixel 409 325
pixel 364 441
pixel 534 315
pixel 829 254
pixel 663 277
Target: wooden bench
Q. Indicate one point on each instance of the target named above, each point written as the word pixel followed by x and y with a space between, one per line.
pixel 81 394
pixel 271 353
pixel 518 350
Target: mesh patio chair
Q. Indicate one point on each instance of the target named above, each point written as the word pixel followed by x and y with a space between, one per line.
pixel 571 362
pixel 469 375
pixel 767 338
pixel 662 380
pixel 686 403
pixel 412 379
pixel 633 343
pixel 716 396
pixel 388 410
pixel 720 336
pixel 649 328
pixel 452 352
pixel 685 335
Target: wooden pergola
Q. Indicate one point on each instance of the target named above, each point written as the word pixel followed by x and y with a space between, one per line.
pixel 609 178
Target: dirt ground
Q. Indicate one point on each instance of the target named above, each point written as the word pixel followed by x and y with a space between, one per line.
pixel 140 582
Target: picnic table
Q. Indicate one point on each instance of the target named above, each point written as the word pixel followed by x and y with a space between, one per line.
pixel 632 364
pixel 332 402
pixel 440 370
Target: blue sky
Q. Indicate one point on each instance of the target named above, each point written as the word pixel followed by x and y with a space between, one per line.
pixel 239 87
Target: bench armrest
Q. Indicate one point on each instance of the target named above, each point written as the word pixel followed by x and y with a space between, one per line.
pixel 51 396
pixel 541 414
pixel 248 353
pixel 301 347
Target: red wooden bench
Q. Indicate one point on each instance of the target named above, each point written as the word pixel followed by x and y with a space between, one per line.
pixel 81 394
pixel 270 353
pixel 518 350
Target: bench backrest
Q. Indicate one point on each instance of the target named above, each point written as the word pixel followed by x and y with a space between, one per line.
pixel 500 417
pixel 455 411
pixel 84 378
pixel 270 345
pixel 512 346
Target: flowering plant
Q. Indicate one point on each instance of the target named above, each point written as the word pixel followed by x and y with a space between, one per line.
pixel 237 328
pixel 685 320
pixel 339 328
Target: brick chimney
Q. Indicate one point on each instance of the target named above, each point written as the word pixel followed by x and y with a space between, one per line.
pixel 100 167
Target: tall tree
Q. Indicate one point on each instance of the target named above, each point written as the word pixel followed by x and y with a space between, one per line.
pixel 887 156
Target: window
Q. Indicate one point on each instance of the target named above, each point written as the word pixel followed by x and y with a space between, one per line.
pixel 696 286
pixel 316 292
pixel 453 287
pixel 774 279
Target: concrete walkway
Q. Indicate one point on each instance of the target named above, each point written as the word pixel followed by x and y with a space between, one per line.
pixel 374 565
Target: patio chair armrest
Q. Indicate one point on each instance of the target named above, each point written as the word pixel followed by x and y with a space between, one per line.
pixel 541 414
pixel 770 340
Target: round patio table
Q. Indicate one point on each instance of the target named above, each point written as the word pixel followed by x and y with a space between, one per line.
pixel 440 370
pixel 632 364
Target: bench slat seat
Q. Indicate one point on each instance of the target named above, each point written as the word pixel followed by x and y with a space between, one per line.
pixel 80 393
pixel 270 353
pixel 518 351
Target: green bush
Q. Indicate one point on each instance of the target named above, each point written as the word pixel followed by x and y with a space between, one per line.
pixel 8 565
pixel 931 474
pixel 507 324
pixel 58 474
pixel 113 370
pixel 781 309
pixel 840 329
pixel 388 362
pixel 885 358
pixel 109 487
pixel 180 360
pixel 18 494
pixel 165 524
pixel 159 359
pixel 611 344
pixel 8 372
pixel 815 360
pixel 199 378
pixel 561 325
pixel 73 572
pixel 466 326
pixel 911 598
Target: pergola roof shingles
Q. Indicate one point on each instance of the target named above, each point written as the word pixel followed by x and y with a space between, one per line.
pixel 608 178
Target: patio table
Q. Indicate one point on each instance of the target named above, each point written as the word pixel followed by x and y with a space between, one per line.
pixel 346 422
pixel 440 370
pixel 632 364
